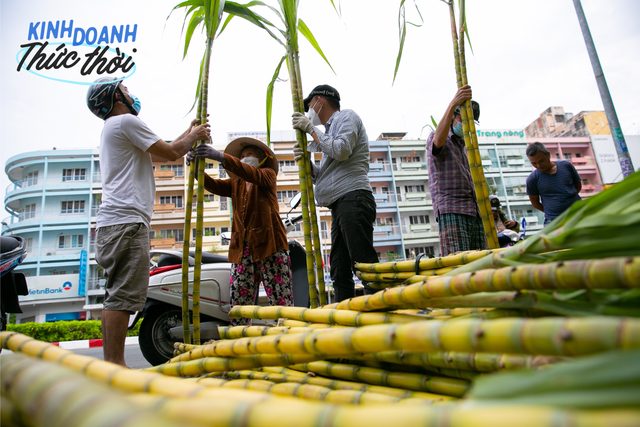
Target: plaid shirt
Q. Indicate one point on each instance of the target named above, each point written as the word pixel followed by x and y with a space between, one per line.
pixel 450 179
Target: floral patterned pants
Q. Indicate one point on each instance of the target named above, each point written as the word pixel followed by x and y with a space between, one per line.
pixel 275 274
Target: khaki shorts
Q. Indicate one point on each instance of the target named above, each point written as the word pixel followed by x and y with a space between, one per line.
pixel 123 252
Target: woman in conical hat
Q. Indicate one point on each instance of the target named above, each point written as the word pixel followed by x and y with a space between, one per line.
pixel 258 249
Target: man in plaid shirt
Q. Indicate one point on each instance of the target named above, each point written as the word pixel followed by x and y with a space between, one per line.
pixel 450 182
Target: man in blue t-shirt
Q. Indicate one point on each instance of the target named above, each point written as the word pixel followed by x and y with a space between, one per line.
pixel 553 186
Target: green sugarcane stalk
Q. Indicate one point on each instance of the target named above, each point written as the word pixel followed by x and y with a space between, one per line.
pixel 336 384
pixel 475 166
pixel 317 247
pixel 609 273
pixel 197 270
pixel 301 138
pixel 187 240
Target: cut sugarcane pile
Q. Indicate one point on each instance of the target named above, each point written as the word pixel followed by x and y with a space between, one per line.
pixel 544 333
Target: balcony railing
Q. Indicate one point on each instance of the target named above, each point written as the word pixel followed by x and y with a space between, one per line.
pixel 379 167
pixel 50 180
pixel 385 197
pixel 386 230
pixel 582 161
pixel 62 216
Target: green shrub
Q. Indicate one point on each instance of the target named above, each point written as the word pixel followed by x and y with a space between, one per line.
pixel 64 330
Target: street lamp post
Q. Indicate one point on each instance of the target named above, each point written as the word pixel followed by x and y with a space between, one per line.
pixel 618 138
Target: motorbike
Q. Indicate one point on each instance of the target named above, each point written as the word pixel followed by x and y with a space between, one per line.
pixel 13 252
pixel 162 314
pixel 513 236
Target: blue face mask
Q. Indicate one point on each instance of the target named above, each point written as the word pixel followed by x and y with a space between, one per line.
pixel 136 104
pixel 457 130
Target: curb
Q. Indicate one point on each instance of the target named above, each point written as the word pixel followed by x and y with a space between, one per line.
pixel 80 344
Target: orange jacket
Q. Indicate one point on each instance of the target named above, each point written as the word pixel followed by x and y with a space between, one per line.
pixel 256 216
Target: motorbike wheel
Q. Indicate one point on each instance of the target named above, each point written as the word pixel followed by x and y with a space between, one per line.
pixel 154 340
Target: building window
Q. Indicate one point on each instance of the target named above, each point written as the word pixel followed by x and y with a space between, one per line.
pixel 176 200
pixel 224 204
pixel 177 170
pixel 206 198
pixel 209 166
pixel 27 212
pixel 585 182
pixel 414 188
pixel 176 233
pixel 419 219
pixel 58 272
pixel 578 155
pixel 398 194
pixel 28 244
pixel 414 252
pixel 206 231
pixel 567 156
pixel 76 206
pixel 71 241
pixel 285 195
pixel 30 179
pixel 74 175
pixel 283 163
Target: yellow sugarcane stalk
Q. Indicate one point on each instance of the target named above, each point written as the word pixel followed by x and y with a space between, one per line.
pixel 298 323
pixel 49 395
pixel 338 384
pixel 607 273
pixel 203 365
pixel 454 260
pixel 304 413
pixel 319 315
pixel 544 336
pixel 439 385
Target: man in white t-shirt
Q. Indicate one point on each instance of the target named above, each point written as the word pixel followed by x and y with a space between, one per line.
pixel 128 195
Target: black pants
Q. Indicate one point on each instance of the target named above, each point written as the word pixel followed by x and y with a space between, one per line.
pixel 352 218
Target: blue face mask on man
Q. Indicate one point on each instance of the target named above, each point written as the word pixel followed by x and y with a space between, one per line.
pixel 457 130
pixel 136 103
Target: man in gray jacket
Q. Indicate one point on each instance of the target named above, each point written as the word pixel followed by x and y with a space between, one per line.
pixel 341 182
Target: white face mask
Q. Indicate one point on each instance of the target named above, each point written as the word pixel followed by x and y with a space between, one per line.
pixel 251 161
pixel 313 116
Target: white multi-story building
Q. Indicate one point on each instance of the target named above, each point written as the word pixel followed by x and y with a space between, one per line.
pixel 52 203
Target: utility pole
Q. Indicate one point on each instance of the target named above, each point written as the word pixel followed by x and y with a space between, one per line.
pixel 618 138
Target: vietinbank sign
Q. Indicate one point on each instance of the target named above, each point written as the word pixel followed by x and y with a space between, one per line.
pixel 60 286
pixel 77 52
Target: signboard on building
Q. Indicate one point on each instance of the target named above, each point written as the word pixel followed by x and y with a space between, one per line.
pixel 51 287
pixel 260 136
pixel 517 134
pixel 82 279
pixel 607 157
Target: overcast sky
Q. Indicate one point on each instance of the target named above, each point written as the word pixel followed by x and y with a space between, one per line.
pixel 527 56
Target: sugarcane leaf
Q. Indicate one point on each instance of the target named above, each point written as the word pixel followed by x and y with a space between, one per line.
pixel 244 12
pixel 196 20
pixel 610 370
pixel 304 30
pixel 562 296
pixel 273 9
pixel 270 88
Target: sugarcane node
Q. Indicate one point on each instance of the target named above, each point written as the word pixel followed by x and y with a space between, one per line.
pixel 629 260
pixel 561 263
pixel 479 333
pixel 566 335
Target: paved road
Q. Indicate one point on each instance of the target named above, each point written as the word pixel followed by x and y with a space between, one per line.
pixel 132 355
